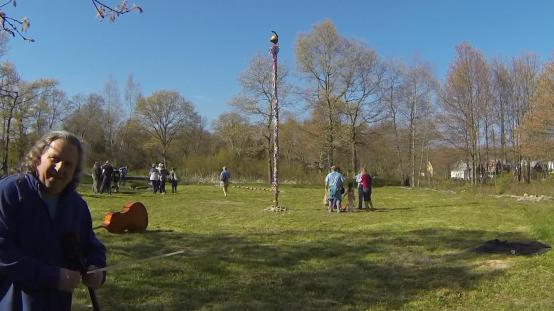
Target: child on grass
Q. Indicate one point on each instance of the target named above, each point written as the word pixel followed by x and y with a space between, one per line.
pixel 349 195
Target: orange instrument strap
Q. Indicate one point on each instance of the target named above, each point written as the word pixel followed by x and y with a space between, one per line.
pixel 124 265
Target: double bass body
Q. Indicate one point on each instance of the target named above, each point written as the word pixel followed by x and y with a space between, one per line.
pixel 132 218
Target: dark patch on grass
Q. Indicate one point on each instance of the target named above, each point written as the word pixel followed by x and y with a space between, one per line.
pixel 226 271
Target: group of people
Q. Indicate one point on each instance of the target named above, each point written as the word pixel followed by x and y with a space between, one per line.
pixel 47 243
pixel 159 175
pixel 106 178
pixel 335 190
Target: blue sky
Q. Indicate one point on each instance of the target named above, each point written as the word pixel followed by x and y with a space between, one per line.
pixel 200 47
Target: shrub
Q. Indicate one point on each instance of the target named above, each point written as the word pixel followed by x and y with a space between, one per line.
pixel 503 182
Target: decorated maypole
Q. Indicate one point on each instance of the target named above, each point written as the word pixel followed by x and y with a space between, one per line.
pixel 273 51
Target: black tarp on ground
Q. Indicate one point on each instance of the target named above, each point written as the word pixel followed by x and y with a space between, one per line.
pixel 514 248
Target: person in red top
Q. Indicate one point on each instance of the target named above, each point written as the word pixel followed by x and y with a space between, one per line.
pixel 365 181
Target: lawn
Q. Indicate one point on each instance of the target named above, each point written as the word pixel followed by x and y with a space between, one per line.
pixel 414 253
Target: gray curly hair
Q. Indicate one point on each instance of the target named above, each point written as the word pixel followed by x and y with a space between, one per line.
pixel 32 158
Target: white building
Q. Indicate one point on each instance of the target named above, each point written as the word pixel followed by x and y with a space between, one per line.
pixel 460 171
pixel 550 166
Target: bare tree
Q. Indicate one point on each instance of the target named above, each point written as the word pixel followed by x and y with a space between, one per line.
pixel 132 94
pixel 318 57
pixel 359 78
pixel 17 101
pixel 525 71
pixel 391 97
pixel 9 100
pixel 165 114
pixel 236 132
pixel 256 97
pixel 417 89
pixel 88 121
pixel 502 91
pixel 51 108
pixel 537 129
pixel 112 101
pixel 464 97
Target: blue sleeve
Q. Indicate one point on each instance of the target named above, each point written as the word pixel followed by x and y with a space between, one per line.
pixel 13 264
pixel 94 250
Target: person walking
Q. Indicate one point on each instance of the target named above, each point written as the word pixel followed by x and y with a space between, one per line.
pixel 40 211
pixel 224 178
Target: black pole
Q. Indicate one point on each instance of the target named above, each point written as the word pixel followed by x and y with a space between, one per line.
pixel 74 261
pixel 93 299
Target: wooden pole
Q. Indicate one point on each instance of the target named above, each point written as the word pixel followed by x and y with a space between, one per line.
pixel 274 50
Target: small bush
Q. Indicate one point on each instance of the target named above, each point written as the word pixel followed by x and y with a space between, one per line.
pixel 503 182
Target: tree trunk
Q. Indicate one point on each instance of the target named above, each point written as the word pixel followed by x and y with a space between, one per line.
pixel 5 169
pixel 412 142
pixel 330 138
pixel 354 150
pixel 397 142
pixel 269 164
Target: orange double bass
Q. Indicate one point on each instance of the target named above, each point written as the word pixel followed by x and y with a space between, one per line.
pixel 132 218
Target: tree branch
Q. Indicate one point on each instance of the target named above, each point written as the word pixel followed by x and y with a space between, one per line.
pixel 104 10
pixel 16 27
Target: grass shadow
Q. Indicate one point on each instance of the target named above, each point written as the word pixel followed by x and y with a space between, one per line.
pixel 334 270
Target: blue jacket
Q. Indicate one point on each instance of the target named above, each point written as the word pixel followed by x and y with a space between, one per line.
pixel 31 244
pixel 224 176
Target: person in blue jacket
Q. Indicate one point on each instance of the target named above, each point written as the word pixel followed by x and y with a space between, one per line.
pixel 39 208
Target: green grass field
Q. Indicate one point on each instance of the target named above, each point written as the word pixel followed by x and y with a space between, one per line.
pixel 414 253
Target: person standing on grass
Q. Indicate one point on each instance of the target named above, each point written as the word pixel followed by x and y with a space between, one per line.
pixel 39 209
pixel 358 179
pixel 366 185
pixel 174 180
pixel 96 175
pixel 163 177
pixel 333 185
pixel 154 177
pixel 349 195
pixel 115 180
pixel 224 178
pixel 107 171
pixel 122 175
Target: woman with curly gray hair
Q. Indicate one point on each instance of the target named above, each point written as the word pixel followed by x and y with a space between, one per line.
pixel 40 211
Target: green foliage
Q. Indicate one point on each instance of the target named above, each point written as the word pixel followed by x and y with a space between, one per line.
pixel 411 254
pixel 503 182
pixel 198 167
pixel 382 182
pixel 542 222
